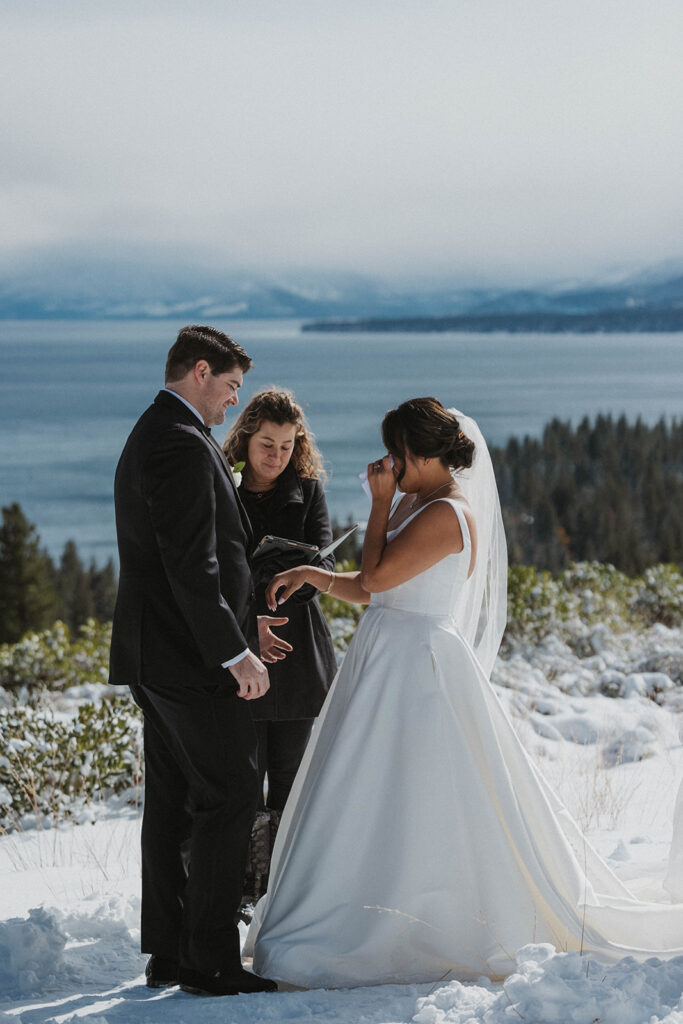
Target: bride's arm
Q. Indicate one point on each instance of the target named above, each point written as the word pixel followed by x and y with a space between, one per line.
pixel 344 585
pixel 424 541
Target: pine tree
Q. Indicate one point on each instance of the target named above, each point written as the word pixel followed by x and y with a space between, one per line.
pixel 27 595
pixel 103 587
pixel 73 588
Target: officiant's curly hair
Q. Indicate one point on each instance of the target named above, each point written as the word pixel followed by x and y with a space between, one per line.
pixel 279 406
pixel 428 430
pixel 201 342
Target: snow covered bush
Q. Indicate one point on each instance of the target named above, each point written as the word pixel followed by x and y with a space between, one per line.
pixel 586 595
pixel 54 660
pixel 51 761
pixel 67 739
pixel 660 595
pixel 537 603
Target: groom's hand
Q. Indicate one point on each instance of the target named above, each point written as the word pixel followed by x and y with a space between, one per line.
pixel 251 675
pixel 273 648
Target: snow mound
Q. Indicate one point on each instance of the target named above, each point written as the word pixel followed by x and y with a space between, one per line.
pixel 564 988
pixel 31 953
pixel 49 949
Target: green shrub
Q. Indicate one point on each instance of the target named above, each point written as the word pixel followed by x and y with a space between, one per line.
pixel 342 617
pixel 660 596
pixel 536 603
pixel 588 594
pixel 53 660
pixel 50 761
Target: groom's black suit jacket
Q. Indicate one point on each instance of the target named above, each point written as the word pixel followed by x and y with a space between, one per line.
pixel 186 600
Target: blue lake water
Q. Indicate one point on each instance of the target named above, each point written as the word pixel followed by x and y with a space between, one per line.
pixel 71 391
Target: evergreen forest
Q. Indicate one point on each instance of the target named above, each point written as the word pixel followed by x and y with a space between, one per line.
pixel 34 591
pixel 607 490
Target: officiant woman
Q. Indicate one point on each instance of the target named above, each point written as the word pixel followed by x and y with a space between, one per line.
pixel 282 491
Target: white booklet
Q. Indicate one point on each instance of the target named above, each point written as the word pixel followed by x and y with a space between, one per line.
pixel 335 543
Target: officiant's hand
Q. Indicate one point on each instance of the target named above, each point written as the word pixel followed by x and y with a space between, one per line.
pixel 382 479
pixel 273 648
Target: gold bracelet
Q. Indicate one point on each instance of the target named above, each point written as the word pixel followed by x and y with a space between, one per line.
pixel 329 585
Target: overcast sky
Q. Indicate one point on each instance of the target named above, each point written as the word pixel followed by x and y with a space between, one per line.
pixel 472 139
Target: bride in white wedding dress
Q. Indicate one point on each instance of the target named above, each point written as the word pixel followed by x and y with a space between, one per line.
pixel 419 842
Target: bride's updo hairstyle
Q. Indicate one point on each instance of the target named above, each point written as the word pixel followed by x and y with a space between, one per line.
pixel 429 431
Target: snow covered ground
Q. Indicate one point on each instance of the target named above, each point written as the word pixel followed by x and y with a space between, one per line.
pixel 69 896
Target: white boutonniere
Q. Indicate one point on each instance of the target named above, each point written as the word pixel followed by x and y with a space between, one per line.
pixel 237 473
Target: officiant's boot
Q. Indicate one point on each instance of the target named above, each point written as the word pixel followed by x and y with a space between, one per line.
pixel 161 972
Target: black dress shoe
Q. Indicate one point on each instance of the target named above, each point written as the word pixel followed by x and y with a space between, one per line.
pixel 223 983
pixel 161 972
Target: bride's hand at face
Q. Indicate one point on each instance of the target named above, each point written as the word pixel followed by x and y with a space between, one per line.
pixel 382 479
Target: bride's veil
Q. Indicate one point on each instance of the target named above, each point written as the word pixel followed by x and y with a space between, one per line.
pixel 481 609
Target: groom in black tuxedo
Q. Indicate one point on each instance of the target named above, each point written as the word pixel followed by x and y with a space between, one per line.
pixel 187 641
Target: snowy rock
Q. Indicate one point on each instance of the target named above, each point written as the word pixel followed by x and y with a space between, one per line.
pixel 545 728
pixel 581 729
pixel 633 745
pixel 594 664
pixel 642 684
pixel 668 661
pixel 657 683
pixel 634 685
pixel 575 681
pixel 611 683
pixel 620 852
pixel 598 638
pixel 548 706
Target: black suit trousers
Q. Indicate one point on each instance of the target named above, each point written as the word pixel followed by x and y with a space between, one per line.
pixel 201 791
pixel 281 747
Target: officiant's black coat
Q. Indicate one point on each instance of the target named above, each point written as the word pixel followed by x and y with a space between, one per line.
pixel 298 684
pixel 186 600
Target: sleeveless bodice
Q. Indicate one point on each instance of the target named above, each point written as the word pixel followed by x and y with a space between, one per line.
pixel 433 592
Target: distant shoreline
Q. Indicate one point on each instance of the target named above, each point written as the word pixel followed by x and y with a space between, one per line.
pixel 634 321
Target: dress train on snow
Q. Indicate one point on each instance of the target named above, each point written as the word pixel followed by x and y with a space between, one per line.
pixel 419 841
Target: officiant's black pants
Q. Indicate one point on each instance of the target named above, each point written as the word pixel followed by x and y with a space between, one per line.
pixel 281 746
pixel 201 789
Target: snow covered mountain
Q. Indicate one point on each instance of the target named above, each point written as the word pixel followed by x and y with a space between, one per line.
pixel 77 284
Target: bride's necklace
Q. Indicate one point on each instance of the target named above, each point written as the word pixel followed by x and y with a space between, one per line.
pixel 428 496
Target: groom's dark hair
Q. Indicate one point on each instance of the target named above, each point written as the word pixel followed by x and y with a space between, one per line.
pixel 199 342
